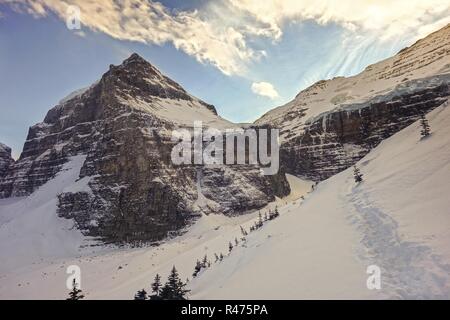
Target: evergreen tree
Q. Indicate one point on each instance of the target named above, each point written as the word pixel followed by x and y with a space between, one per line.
pixel 75 294
pixel 357 174
pixel 156 285
pixel 244 233
pixel 236 242
pixel 197 268
pixel 221 256
pixel 276 213
pixel 216 257
pixel 230 246
pixel 265 216
pixel 174 289
pixel 205 261
pixel 141 295
pixel 425 132
pixel 260 220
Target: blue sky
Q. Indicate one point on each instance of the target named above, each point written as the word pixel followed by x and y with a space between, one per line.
pixel 218 53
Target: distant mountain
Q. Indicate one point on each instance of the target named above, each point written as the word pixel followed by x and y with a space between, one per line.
pixel 334 123
pixel 5 159
pixel 128 189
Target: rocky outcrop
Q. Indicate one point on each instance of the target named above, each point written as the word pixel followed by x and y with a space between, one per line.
pixel 332 124
pixel 337 140
pixel 5 159
pixel 131 189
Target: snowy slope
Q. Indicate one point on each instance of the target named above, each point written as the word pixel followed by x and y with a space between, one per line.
pixel 116 273
pixel 320 247
pixel 398 219
pixel 419 66
pixel 180 112
pixel 30 229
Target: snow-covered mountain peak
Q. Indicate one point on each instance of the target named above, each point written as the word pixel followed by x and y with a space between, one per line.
pixel 137 73
pixel 410 69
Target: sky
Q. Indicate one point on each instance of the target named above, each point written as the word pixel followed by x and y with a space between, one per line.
pixel 243 56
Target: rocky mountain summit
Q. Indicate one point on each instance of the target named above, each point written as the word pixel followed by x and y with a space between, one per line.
pixel 334 123
pixel 5 159
pixel 128 188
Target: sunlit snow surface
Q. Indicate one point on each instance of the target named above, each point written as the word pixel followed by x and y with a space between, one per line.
pixel 398 218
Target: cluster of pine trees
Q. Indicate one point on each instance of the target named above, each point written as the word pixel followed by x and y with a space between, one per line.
pixel 173 289
pixel 426 131
pixel 205 263
pixel 260 222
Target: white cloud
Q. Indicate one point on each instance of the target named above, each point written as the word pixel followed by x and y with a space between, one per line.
pixel 386 17
pixel 220 32
pixel 265 89
pixel 145 21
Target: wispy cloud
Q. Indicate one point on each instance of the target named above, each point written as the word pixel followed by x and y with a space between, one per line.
pixel 151 22
pixel 220 32
pixel 387 18
pixel 265 89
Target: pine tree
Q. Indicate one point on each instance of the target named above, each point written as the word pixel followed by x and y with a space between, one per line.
pixel 156 285
pixel 216 257
pixel 243 231
pixel 205 261
pixel 174 289
pixel 75 294
pixel 276 213
pixel 260 221
pixel 141 295
pixel 265 216
pixel 197 268
pixel 221 256
pixel 236 242
pixel 357 174
pixel 425 132
pixel 230 246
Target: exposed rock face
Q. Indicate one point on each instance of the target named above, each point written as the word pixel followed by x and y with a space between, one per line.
pixel 334 142
pixel 131 189
pixel 334 123
pixel 5 159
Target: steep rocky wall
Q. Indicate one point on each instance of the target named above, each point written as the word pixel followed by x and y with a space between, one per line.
pixel 5 159
pixel 130 190
pixel 336 140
